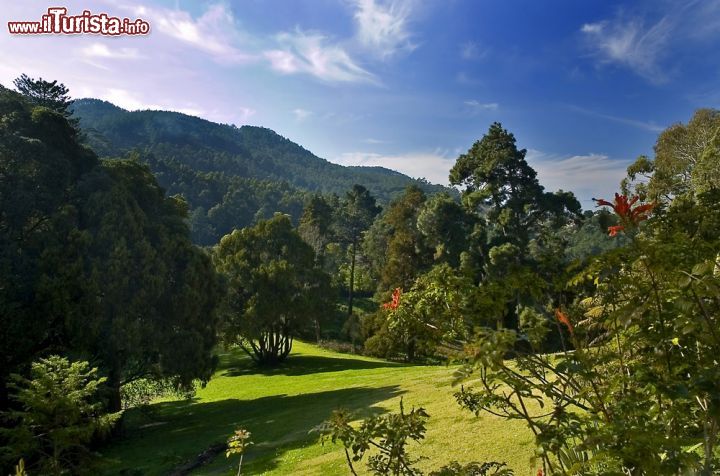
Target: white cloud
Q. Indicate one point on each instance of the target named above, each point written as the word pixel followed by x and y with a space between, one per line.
pixel 477 106
pixel 213 32
pixel 434 166
pixel 588 176
pixel 301 114
pixel 472 51
pixel 311 53
pixel 100 50
pixel 631 44
pixel 647 126
pixel 382 27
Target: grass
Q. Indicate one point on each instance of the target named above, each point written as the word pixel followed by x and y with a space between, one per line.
pixel 280 406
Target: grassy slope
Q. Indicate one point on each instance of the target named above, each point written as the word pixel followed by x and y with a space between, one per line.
pixel 279 408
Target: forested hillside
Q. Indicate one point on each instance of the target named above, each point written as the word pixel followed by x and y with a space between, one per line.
pixel 230 176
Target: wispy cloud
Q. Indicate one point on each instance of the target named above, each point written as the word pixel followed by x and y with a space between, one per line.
pixel 466 79
pixel 434 166
pixel 647 126
pixel 471 50
pixel 476 106
pixel 301 114
pixel 312 53
pixel 214 32
pixel 631 43
pixel 588 176
pixel 101 50
pixel 382 27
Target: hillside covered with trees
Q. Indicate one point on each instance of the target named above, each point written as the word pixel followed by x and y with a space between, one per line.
pixel 231 176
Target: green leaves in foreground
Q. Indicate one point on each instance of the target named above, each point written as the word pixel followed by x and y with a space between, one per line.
pixel 59 413
pixel 387 437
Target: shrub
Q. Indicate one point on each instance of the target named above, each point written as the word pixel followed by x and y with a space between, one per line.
pixel 58 415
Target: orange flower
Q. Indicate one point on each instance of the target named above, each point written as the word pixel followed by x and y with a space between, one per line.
pixel 623 208
pixel 564 319
pixel 613 230
pixel 540 472
pixel 395 300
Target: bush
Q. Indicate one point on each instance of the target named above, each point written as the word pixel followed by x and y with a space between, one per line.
pixel 58 416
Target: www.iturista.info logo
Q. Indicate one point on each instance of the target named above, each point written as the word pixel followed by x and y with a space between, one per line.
pixel 58 22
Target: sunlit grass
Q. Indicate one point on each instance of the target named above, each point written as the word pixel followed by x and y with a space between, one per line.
pixel 280 407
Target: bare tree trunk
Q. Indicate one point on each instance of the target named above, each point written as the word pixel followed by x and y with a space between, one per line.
pixel 352 277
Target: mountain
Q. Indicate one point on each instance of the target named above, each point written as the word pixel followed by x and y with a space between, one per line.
pixel 247 151
pixel 230 176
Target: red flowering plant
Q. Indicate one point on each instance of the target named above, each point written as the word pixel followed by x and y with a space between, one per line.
pixel 630 216
pixel 395 301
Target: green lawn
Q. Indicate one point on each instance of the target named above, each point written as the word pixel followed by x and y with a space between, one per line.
pixel 280 406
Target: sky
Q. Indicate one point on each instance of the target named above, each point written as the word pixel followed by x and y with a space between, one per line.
pixel 585 86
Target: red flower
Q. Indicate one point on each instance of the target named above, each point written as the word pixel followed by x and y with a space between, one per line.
pixel 540 472
pixel 623 208
pixel 613 230
pixel 564 319
pixel 395 300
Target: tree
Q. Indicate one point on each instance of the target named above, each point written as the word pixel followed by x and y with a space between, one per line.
pixel 686 160
pixel 357 213
pixel 40 166
pixel 315 228
pixel 47 94
pixel 513 212
pixel 500 183
pixel 274 288
pixel 407 253
pixel 447 228
pixel 432 312
pixel 59 413
pixel 97 260
pixel 636 388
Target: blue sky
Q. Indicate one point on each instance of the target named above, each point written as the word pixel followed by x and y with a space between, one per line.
pixel 585 86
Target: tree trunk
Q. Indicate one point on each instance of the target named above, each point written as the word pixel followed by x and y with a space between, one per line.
pixel 352 277
pixel 318 336
pixel 114 382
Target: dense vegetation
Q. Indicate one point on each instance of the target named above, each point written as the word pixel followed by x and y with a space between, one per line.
pixel 598 332
pixel 230 176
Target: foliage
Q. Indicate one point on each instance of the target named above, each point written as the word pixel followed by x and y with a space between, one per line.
pixel 406 254
pixel 231 177
pixel 639 387
pixel 431 313
pixel 473 469
pixel 274 288
pixel 59 414
pixel 358 210
pixel 685 160
pixel 43 93
pixel 387 436
pixel 237 444
pixel 140 393
pixel 96 260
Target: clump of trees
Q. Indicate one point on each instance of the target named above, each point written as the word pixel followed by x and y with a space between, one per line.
pixel 274 288
pixel 95 260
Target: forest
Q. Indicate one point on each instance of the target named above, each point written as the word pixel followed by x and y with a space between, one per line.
pixel 165 280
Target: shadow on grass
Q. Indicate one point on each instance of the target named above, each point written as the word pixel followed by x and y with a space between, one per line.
pixel 277 423
pixel 296 365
